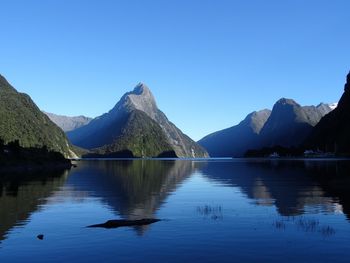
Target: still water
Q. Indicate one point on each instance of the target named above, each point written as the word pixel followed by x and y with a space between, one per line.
pixel 211 211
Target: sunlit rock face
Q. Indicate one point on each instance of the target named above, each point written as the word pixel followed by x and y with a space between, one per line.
pixel 136 125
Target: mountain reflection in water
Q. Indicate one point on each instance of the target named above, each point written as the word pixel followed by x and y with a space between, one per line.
pixel 289 185
pixel 302 193
pixel 22 194
pixel 133 189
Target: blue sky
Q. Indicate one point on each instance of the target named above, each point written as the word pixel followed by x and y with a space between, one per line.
pixel 208 63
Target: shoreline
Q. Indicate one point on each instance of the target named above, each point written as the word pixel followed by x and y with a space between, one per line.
pixel 218 159
pixel 32 167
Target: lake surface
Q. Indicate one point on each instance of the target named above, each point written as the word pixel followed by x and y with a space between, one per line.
pixel 211 211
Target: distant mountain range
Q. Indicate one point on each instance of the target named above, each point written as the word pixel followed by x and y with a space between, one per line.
pixel 288 124
pixel 236 140
pixel 135 127
pixel 21 120
pixel 67 123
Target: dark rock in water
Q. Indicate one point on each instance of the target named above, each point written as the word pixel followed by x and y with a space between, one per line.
pixel 41 236
pixel 121 223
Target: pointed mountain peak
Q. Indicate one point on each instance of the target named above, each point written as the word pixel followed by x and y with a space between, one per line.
pixel 140 98
pixel 323 105
pixel 135 127
pixel 140 89
pixel 285 101
pixel 257 119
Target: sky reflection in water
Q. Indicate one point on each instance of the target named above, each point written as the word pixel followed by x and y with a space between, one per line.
pixel 218 210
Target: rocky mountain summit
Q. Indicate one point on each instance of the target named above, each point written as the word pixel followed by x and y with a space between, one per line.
pixel 135 127
pixel 287 125
pixel 290 123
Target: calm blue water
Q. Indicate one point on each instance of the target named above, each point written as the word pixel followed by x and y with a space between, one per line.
pixel 212 211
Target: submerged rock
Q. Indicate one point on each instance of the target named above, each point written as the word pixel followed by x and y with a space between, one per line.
pixel 121 223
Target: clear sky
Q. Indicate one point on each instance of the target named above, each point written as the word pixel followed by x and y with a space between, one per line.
pixel 208 63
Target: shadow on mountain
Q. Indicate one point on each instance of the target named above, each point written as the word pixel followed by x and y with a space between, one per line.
pixel 22 194
pixel 291 186
pixel 134 189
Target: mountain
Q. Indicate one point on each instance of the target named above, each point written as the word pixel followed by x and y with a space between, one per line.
pixel 135 127
pixel 332 132
pixel 67 123
pixel 22 120
pixel 236 140
pixel 289 123
pixel 333 105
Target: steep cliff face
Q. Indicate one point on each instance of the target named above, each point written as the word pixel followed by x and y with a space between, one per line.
pixel 332 132
pixel 22 120
pixel 135 115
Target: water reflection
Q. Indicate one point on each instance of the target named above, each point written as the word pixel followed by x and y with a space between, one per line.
pixel 22 194
pixel 133 189
pixel 138 189
pixel 292 186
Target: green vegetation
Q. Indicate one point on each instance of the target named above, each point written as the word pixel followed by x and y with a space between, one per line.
pixel 22 120
pixel 141 136
pixel 135 127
